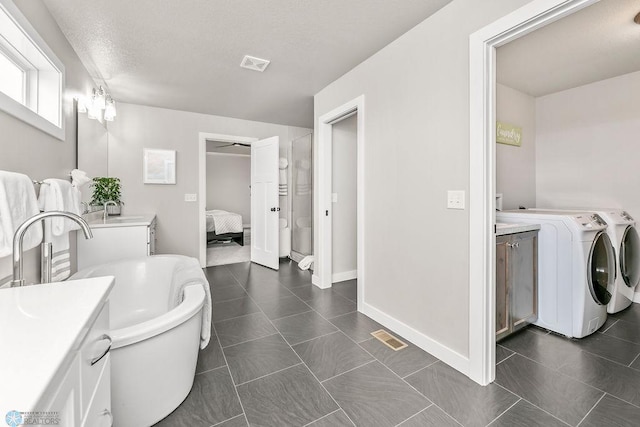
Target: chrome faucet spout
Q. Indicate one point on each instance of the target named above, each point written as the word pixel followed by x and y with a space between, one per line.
pixel 18 237
pixel 107 203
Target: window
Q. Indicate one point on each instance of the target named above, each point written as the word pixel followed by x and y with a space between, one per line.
pixel 31 76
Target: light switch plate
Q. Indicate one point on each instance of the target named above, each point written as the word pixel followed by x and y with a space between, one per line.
pixel 455 199
pixel 189 197
pixel 334 197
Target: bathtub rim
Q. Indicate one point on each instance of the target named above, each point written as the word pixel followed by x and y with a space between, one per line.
pixel 193 302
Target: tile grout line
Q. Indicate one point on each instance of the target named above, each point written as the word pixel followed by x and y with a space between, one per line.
pixel 389 369
pixel 532 404
pixel 592 408
pixel 235 388
pixel 314 338
pixel 270 373
pixel 232 418
pixel 302 362
pixel 414 415
pixel 575 379
pixel 322 417
pixel 636 358
pixel 611 325
pixel 424 367
pixel 506 410
pixel 349 370
pixel 512 353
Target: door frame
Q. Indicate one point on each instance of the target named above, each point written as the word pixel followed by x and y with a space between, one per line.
pixel 203 137
pixel 482 169
pixel 322 276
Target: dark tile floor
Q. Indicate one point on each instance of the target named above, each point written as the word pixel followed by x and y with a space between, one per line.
pixel 285 353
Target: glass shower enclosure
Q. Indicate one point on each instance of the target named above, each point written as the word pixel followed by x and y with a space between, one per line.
pixel 302 197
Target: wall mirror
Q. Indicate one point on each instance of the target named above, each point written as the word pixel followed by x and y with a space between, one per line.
pixel 92 150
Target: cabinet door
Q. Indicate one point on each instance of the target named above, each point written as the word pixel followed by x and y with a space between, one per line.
pixel 502 297
pixel 524 292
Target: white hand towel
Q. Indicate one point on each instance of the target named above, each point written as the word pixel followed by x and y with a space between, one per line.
pixel 79 178
pixel 188 272
pixel 59 195
pixel 17 204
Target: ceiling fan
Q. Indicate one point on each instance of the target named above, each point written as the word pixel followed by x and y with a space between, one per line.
pixel 235 144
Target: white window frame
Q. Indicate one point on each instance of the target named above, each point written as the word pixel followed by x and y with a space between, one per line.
pixel 44 77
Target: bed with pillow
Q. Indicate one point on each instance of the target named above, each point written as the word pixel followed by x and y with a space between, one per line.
pixel 223 225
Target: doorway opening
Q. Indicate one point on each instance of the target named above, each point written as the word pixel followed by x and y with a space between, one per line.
pixel 340 214
pixel 228 202
pixel 482 194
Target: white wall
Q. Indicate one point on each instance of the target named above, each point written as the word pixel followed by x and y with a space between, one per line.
pixel 228 184
pixel 139 127
pixel 587 146
pixel 416 148
pixel 28 150
pixel 344 219
pixel 516 166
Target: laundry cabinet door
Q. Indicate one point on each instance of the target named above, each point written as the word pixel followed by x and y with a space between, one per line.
pixel 524 279
pixel 502 295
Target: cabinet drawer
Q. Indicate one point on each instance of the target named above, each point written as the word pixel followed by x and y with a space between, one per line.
pixel 99 409
pixel 94 356
pixel 65 402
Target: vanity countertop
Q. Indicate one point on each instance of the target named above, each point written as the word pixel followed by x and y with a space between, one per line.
pixel 40 327
pixel 121 221
pixel 504 228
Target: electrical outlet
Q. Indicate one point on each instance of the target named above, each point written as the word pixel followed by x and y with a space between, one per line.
pixel 189 197
pixel 455 200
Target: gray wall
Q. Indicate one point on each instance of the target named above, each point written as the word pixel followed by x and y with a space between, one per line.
pixel 516 166
pixel 344 215
pixel 587 146
pixel 28 150
pixel 139 127
pixel 417 147
pixel 228 184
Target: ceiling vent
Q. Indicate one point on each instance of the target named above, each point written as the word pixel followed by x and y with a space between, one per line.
pixel 253 63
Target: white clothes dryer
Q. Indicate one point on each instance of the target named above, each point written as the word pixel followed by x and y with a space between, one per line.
pixel 621 229
pixel 576 266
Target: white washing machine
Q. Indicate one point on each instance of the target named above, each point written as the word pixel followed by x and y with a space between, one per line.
pixel 576 266
pixel 621 229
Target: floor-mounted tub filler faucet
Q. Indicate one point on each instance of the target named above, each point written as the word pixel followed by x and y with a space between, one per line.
pixel 18 237
pixel 105 214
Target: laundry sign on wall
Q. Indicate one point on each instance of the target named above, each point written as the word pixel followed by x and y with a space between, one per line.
pixel 508 134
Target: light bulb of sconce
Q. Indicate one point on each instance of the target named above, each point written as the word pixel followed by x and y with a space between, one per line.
pixel 101 98
pixel 93 111
pixel 110 110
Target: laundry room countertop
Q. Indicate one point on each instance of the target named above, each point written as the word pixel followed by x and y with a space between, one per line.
pixel 504 228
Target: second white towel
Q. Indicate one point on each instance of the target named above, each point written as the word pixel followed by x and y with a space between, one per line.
pixel 59 195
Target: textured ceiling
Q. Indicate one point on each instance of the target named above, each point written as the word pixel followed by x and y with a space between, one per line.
pixel 185 54
pixel 596 43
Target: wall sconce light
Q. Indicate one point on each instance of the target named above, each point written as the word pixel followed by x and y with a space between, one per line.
pixel 100 105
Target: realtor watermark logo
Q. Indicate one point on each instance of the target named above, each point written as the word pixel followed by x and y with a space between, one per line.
pixel 16 418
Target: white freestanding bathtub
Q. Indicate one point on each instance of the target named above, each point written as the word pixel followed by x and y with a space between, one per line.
pixel 155 342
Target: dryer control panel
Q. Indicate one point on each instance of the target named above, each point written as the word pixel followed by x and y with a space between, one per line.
pixel 590 221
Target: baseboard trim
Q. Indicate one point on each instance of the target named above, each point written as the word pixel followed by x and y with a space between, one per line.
pixel 316 281
pixel 442 352
pixel 345 275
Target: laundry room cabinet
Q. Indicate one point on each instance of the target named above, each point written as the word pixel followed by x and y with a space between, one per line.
pixel 516 281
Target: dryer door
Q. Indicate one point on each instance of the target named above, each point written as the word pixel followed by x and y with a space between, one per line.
pixel 601 268
pixel 630 257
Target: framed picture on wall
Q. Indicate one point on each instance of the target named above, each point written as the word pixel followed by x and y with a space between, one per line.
pixel 159 166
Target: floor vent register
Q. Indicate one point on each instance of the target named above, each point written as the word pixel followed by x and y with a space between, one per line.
pixel 389 340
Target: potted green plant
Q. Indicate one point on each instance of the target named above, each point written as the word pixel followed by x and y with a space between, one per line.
pixel 107 189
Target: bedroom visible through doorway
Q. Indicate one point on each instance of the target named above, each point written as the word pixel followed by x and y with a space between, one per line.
pixel 228 202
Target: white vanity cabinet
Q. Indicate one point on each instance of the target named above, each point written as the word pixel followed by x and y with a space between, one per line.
pixel 58 371
pixel 117 238
pixel 83 397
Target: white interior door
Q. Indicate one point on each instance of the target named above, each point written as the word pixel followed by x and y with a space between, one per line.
pixel 265 206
